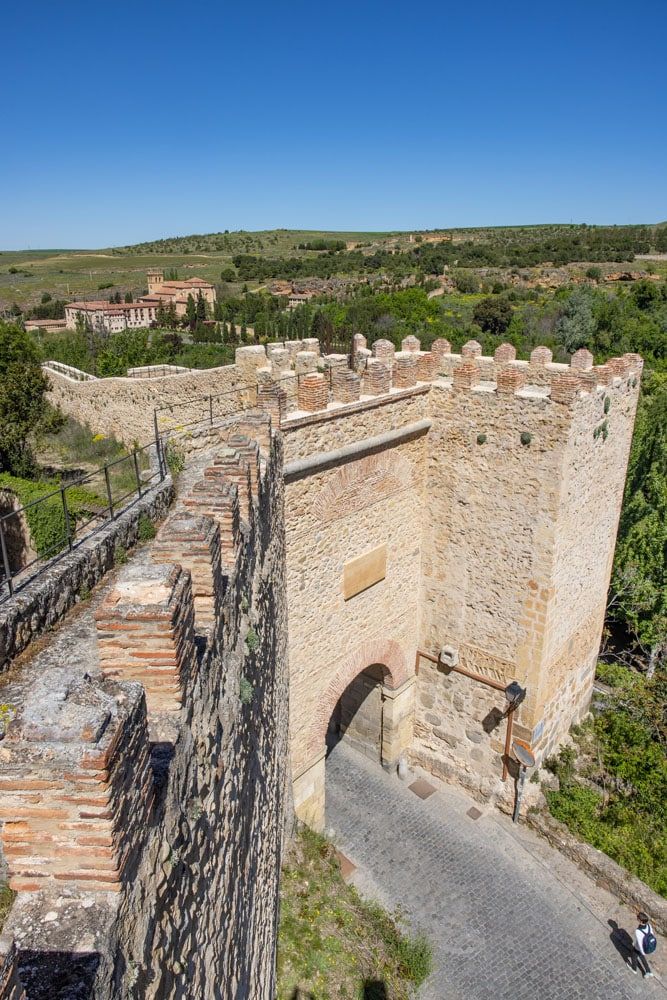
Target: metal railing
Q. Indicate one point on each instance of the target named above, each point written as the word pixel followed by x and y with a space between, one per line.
pixel 68 371
pixel 214 406
pixel 63 518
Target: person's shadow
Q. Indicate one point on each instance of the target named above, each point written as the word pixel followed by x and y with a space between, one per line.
pixel 374 989
pixel 621 940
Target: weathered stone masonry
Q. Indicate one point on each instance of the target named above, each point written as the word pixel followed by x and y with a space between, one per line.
pixel 143 787
pixel 430 500
pixel 497 520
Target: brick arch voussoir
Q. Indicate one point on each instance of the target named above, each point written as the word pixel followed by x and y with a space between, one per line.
pixel 386 652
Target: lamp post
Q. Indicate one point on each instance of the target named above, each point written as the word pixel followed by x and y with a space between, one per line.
pixel 526 759
pixel 514 695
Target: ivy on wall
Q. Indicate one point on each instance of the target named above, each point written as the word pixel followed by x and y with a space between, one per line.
pixel 46 520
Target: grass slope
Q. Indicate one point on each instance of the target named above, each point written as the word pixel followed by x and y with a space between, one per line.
pixel 333 945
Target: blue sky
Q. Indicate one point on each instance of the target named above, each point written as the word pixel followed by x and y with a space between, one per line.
pixel 131 121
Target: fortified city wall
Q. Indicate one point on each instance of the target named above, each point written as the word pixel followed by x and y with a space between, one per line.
pixel 144 777
pixel 431 500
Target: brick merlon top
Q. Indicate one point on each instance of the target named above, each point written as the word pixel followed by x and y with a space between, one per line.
pixel 295 421
pixel 141 588
pixel 67 708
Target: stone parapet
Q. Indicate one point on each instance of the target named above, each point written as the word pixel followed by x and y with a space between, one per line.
pixel 581 360
pixel 427 366
pixel 193 541
pixel 240 469
pixel 377 378
pixel 384 350
pixel 504 353
pixel 346 386
pixel 472 349
pixel 76 785
pixel 439 348
pixel 145 629
pixel 219 501
pixel 411 344
pixel 273 399
pixel 405 370
pixel 306 361
pixel 465 375
pixel 313 393
pixel 509 379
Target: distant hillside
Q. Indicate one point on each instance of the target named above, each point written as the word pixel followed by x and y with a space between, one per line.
pixel 253 258
pixel 276 242
pixel 283 242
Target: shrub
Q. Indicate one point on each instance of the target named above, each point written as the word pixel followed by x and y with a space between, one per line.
pixel 481 439
pixel 493 315
pixel 175 458
pixel 6 900
pixel 526 438
pixel 252 640
pixel 612 674
pixel 145 528
pixel 415 958
pixel 466 282
pixel 246 691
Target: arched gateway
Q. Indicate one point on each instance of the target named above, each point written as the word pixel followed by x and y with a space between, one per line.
pixel 388 667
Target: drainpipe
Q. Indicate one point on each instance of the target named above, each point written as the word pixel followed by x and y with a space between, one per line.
pixel 496 685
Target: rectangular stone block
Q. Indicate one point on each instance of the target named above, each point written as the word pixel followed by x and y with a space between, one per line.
pixel 364 571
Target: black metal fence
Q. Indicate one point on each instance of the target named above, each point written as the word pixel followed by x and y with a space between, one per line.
pixel 32 535
pixel 208 409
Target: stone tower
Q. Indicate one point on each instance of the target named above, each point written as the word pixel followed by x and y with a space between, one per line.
pixel 154 278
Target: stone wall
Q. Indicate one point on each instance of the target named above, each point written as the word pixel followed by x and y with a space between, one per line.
pixel 524 498
pixel 144 775
pixel 432 499
pixel 10 984
pixel 123 407
pixel 361 504
pixel 43 602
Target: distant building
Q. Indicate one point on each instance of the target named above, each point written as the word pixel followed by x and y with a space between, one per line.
pixel 166 292
pixel 298 299
pixel 111 317
pixel 45 325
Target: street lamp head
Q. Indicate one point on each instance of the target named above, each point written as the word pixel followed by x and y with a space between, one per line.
pixel 515 694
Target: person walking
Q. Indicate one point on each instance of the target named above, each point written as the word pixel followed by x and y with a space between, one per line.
pixel 644 944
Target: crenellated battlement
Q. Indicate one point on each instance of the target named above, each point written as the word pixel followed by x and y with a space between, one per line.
pixel 398 502
pixel 326 382
pixel 119 761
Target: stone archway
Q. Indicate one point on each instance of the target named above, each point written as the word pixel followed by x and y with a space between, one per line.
pixel 397 692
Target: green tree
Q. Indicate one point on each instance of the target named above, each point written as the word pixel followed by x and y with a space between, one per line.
pixel 228 274
pixel 128 297
pixel 466 282
pixel 22 388
pixel 638 594
pixel 576 326
pixel 493 315
pixel 191 312
pixel 201 308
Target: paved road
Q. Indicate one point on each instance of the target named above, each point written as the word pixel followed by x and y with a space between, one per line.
pixel 509 918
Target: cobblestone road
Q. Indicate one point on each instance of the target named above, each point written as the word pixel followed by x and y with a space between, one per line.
pixel 509 918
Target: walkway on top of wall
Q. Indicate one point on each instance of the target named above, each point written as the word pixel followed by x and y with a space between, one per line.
pixel 509 918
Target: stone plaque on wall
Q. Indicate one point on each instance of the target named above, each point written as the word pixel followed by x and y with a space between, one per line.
pixel 364 571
